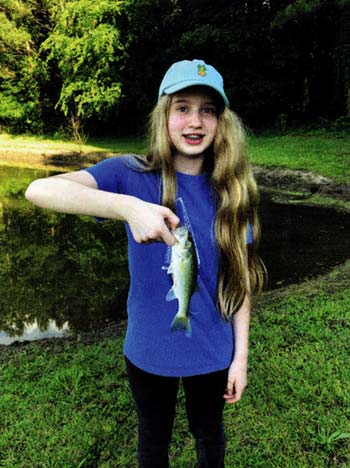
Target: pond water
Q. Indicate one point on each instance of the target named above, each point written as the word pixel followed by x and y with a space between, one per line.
pixel 63 272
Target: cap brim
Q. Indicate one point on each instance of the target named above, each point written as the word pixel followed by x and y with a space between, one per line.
pixel 189 83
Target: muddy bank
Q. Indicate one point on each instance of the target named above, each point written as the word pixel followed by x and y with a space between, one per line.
pixel 269 177
pixel 54 160
pixel 304 181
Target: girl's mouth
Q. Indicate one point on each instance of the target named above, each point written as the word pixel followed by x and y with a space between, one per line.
pixel 193 138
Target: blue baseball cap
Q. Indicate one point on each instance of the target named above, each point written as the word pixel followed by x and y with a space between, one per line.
pixel 192 73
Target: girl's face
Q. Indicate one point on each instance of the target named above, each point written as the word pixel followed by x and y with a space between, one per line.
pixel 192 122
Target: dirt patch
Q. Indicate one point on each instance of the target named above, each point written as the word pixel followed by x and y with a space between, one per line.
pixel 276 178
pixel 294 180
pixel 54 160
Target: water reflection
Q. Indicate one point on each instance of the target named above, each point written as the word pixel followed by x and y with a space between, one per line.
pixel 301 242
pixel 62 271
pixel 33 332
pixel 54 267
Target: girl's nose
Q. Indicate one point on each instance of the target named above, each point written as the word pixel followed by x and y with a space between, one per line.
pixel 195 119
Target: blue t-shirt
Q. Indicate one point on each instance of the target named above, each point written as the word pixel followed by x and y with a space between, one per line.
pixel 150 344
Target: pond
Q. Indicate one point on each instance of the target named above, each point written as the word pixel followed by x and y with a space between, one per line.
pixel 62 272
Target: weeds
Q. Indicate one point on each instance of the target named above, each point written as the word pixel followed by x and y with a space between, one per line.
pixel 328 440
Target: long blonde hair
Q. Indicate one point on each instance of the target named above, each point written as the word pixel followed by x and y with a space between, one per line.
pixel 237 201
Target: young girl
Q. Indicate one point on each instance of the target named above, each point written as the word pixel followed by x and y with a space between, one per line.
pixel 196 175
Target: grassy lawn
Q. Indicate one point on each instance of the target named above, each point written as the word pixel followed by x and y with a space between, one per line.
pixel 325 153
pixel 46 145
pixel 67 404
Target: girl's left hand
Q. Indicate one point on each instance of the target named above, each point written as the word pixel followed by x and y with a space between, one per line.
pixel 236 381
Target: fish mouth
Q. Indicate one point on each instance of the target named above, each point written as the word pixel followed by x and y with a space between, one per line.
pixel 180 233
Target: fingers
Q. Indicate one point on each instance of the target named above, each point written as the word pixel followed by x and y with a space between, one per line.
pixel 152 223
pixel 168 238
pixel 172 220
pixel 234 392
pixel 162 233
pixel 230 395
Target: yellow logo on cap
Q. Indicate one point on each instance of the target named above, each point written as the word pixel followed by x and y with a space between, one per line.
pixel 201 70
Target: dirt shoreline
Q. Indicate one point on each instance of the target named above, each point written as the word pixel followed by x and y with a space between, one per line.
pixel 276 178
pixel 297 180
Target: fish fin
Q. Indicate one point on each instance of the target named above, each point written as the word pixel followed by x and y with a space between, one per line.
pixel 181 322
pixel 171 295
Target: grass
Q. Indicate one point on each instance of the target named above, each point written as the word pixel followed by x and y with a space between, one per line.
pixel 46 145
pixel 67 403
pixel 325 153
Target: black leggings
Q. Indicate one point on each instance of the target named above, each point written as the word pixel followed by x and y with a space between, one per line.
pixel 155 398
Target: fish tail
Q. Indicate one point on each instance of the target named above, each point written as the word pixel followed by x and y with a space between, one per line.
pixel 182 322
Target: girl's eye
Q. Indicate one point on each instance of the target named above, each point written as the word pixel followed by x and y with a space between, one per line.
pixel 182 109
pixel 209 110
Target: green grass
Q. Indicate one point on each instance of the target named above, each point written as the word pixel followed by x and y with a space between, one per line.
pixel 327 154
pixel 46 145
pixel 67 404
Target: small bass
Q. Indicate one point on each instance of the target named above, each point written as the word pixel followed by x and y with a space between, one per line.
pixel 184 270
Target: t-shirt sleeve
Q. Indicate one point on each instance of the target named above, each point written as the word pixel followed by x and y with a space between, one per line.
pixel 109 173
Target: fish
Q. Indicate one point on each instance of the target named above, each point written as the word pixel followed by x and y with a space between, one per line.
pixel 184 270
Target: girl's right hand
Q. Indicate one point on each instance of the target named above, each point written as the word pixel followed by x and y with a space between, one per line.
pixel 152 223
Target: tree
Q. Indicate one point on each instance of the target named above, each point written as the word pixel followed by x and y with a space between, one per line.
pixel 154 28
pixel 235 37
pixel 318 32
pixel 89 52
pixel 20 67
pixel 95 62
pixel 342 59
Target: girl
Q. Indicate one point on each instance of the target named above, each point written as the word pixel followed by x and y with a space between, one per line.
pixel 195 174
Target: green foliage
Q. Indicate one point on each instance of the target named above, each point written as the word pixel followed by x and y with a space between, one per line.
pixel 329 440
pixel 89 51
pixel 97 62
pixel 295 10
pixel 20 69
